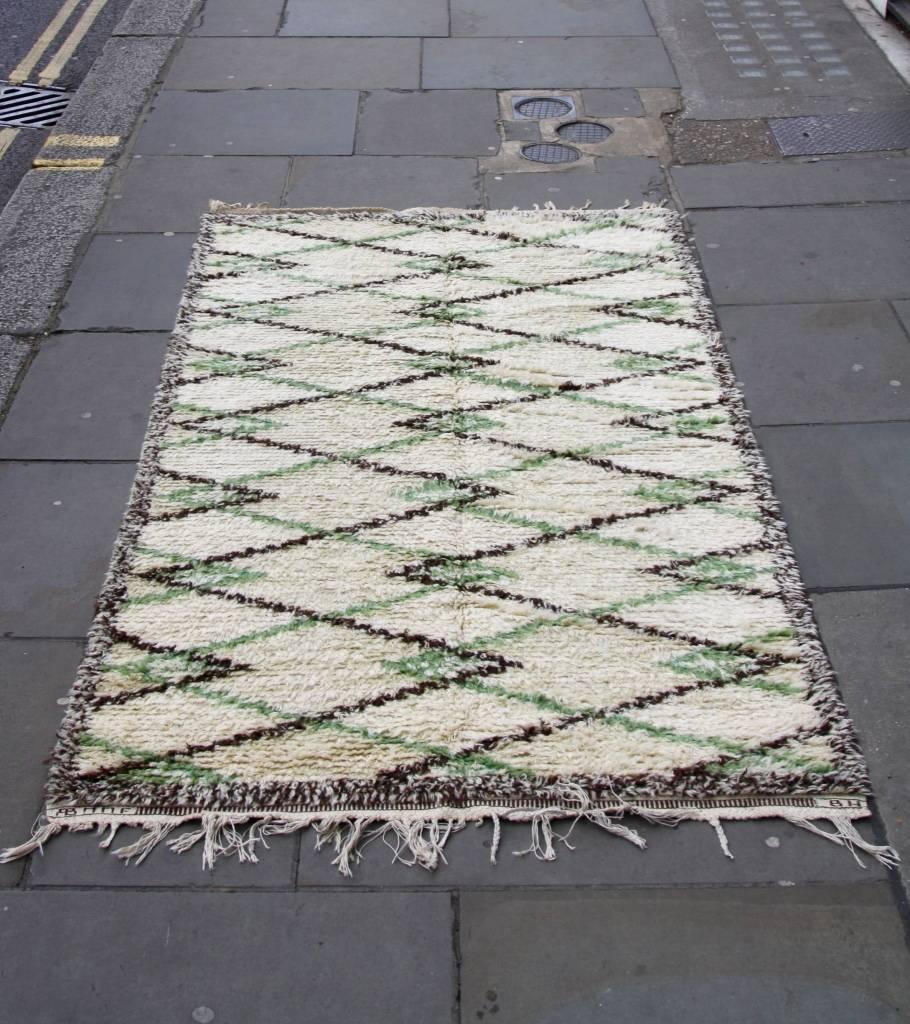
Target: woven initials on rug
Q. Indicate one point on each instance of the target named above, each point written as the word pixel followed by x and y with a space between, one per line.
pixel 446 516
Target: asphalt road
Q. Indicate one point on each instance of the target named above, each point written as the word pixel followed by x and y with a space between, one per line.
pixel 23 23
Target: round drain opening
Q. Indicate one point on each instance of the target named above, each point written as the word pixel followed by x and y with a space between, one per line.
pixel 584 131
pixel 549 153
pixel 543 106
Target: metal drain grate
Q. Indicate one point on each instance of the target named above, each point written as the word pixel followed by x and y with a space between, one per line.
pixel 543 106
pixel 584 131
pixel 549 153
pixel 842 133
pixel 27 106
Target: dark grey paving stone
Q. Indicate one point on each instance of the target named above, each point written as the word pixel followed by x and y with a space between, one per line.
pixel 815 254
pixel 259 63
pixel 75 859
pixel 514 63
pixel 85 396
pixel 60 520
pixel 867 639
pixel 34 675
pixel 550 18
pixel 232 958
pixel 795 955
pixel 171 193
pixel 829 363
pixel 687 855
pixel 366 18
pixel 450 122
pixel 721 83
pixel 718 142
pixel 845 491
pixel 129 281
pixel 794 184
pixel 238 18
pixel 396 182
pixel 903 311
pixel 259 122
pixel 615 102
pixel 616 180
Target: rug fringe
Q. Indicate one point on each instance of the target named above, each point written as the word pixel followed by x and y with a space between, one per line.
pixel 419 838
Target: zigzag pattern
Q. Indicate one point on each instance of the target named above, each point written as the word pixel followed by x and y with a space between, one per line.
pixel 446 504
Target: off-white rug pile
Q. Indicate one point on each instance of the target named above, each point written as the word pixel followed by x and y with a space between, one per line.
pixel 446 516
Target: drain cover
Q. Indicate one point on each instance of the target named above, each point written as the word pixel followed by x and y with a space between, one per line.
pixel 842 133
pixel 584 131
pixel 543 106
pixel 549 153
pixel 27 106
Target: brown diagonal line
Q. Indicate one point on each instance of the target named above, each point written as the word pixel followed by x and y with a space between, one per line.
pixel 492 664
pixel 246 496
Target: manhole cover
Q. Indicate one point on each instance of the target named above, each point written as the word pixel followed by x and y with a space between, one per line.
pixel 543 106
pixel 584 131
pixel 842 133
pixel 549 153
pixel 27 106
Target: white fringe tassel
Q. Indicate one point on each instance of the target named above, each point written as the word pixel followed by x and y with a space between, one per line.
pixel 418 838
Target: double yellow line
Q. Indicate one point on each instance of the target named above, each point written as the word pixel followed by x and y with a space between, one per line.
pixel 59 59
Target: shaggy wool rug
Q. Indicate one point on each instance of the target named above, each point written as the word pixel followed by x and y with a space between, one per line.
pixel 446 516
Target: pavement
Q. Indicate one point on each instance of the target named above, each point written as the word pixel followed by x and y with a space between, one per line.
pixel 405 103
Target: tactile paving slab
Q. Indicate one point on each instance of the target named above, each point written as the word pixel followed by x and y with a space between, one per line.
pixel 842 133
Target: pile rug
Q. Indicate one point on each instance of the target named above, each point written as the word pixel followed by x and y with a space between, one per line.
pixel 446 516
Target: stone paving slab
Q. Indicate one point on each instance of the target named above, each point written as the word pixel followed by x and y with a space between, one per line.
pixel 845 491
pixel 64 517
pixel 613 102
pixel 616 181
pixel 263 63
pixel 549 18
pixel 750 955
pixel 86 396
pixel 755 80
pixel 513 63
pixel 764 852
pixel 366 18
pixel 258 122
pixel 171 193
pixel 34 675
pixel 397 182
pixel 867 638
pixel 75 859
pixel 231 958
pixel 828 363
pixel 817 254
pixel 794 184
pixel 903 311
pixel 131 282
pixel 238 18
pixel 449 122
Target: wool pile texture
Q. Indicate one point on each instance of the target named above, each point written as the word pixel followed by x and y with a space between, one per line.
pixel 446 516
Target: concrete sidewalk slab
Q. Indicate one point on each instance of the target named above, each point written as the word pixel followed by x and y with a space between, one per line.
pixel 845 491
pixel 393 181
pixel 131 282
pixel 867 638
pixel 516 63
pixel 65 517
pixel 34 676
pixel 828 363
pixel 549 18
pixel 171 193
pixel 238 18
pixel 286 63
pixel 698 957
pixel 373 18
pixel 233 958
pixel 817 254
pixel 451 122
pixel 86 396
pixel 875 179
pixel 256 123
